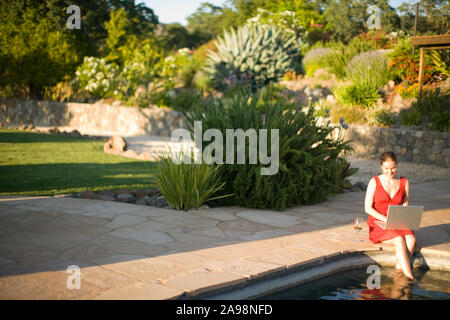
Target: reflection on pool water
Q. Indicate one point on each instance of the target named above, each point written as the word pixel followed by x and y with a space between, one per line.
pixel 351 285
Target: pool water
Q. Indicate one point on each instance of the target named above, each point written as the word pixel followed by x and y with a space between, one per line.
pixel 351 285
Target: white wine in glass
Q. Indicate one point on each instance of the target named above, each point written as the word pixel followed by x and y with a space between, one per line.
pixel 358 224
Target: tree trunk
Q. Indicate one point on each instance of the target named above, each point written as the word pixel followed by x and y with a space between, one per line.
pixel 35 91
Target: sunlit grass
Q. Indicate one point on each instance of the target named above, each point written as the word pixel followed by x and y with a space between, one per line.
pixel 43 164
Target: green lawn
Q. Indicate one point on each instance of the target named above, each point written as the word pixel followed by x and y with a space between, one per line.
pixel 43 164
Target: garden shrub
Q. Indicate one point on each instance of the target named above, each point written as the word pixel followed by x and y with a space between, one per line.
pixel 315 59
pixel 96 77
pixel 185 99
pixel 187 185
pixel 370 68
pixel 434 104
pixel 187 73
pixel 381 117
pixel 346 172
pixel 378 39
pixel 202 81
pixel 404 65
pixel 410 117
pixel 253 55
pixel 141 66
pixel 349 113
pixel 441 63
pixel 343 53
pixel 408 91
pixel 360 94
pixel 309 165
pixel 441 120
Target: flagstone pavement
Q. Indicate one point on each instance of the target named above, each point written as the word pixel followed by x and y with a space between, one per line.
pixel 126 251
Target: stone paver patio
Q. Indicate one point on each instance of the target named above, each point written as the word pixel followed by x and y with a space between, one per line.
pixel 126 251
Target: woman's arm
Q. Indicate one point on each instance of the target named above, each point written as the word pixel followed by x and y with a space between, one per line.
pixel 368 203
pixel 406 199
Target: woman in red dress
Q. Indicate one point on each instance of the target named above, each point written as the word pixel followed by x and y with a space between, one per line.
pixel 382 191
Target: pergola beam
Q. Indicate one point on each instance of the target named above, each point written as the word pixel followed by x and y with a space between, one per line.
pixel 436 42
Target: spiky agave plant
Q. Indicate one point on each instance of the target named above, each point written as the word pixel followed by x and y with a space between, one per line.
pixel 254 55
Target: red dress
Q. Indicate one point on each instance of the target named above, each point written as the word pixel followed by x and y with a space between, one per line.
pixel 381 202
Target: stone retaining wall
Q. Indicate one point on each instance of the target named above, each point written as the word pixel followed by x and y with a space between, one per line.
pixel 98 117
pixel 418 146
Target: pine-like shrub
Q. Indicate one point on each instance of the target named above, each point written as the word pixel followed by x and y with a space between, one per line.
pixel 253 55
pixel 309 166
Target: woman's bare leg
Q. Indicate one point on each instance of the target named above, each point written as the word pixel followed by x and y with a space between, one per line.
pixel 410 243
pixel 402 254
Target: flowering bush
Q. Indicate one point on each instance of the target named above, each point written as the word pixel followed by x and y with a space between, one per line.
pixel 315 59
pixel 379 38
pixel 169 76
pixel 172 65
pixel 286 20
pixel 369 67
pixel 405 66
pixel 96 76
pixel 408 91
pixel 343 53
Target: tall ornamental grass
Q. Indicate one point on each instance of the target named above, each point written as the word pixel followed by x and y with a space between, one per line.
pixel 186 186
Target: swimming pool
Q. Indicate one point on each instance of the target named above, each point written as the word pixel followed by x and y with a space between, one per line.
pixel 351 285
pixel 344 276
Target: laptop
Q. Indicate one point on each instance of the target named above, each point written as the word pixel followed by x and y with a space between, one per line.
pixel 402 218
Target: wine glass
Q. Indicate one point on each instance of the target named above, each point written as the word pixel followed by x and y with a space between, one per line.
pixel 358 225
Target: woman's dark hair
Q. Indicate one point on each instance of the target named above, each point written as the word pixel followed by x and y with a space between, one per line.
pixel 388 155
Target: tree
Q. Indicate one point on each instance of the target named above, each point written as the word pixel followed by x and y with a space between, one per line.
pixel 38 51
pixel 433 17
pixel 299 16
pixel 209 21
pixel 119 31
pixel 34 53
pixel 347 18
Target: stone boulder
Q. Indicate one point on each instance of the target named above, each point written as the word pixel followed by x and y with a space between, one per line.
pixel 75 134
pixel 115 145
pixel 126 197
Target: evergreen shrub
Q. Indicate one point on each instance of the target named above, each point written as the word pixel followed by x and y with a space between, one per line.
pixel 310 160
